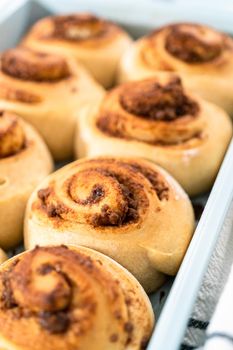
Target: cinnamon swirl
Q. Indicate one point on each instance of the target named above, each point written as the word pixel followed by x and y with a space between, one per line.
pixel 71 298
pixel 128 209
pixel 202 56
pixel 159 120
pixel 96 43
pixel 48 91
pixel 24 162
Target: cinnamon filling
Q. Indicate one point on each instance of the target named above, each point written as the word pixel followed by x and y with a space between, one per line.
pixel 112 197
pixel 53 210
pixel 12 139
pixel 154 101
pixel 97 193
pixel 113 125
pixel 78 27
pixel 128 212
pixel 156 181
pixel 57 297
pixel 25 64
pixel 193 43
pixel 32 288
pixel 150 111
pixel 7 300
pixel 9 93
pixel 124 212
pixel 54 322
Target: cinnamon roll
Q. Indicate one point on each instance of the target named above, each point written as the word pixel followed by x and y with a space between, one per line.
pixel 96 43
pixel 128 209
pixel 24 162
pixel 159 120
pixel 71 298
pixel 49 91
pixel 202 56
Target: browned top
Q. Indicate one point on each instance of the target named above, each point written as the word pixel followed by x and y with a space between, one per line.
pixel 78 27
pixel 12 138
pixel 101 192
pixel 25 64
pixel 10 93
pixel 39 286
pixel 151 100
pixel 194 43
pixel 190 43
pixel 82 28
pixel 58 298
pixel 151 111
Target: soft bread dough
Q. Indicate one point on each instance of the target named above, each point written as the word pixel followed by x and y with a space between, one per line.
pixel 96 43
pixel 49 92
pixel 20 173
pixel 105 302
pixel 129 209
pixel 191 147
pixel 202 56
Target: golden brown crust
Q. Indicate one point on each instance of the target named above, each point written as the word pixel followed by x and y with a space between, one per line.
pixel 60 297
pixel 158 102
pixel 80 29
pixel 118 206
pixel 25 64
pixel 106 193
pixel 48 91
pixel 202 56
pixel 194 44
pixel 154 112
pixel 189 43
pixel 96 43
pixel 24 162
pixel 160 120
pixel 12 138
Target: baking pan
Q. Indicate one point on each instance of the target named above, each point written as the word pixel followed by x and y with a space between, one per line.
pixel 173 303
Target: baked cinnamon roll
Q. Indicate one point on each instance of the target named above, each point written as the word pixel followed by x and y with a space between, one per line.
pixel 96 43
pixel 48 91
pixel 24 162
pixel 202 56
pixel 71 298
pixel 157 119
pixel 128 209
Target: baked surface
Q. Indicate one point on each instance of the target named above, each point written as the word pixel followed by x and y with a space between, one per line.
pixel 97 43
pixel 202 56
pixel 159 120
pixel 68 298
pixel 48 91
pixel 128 209
pixel 24 162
